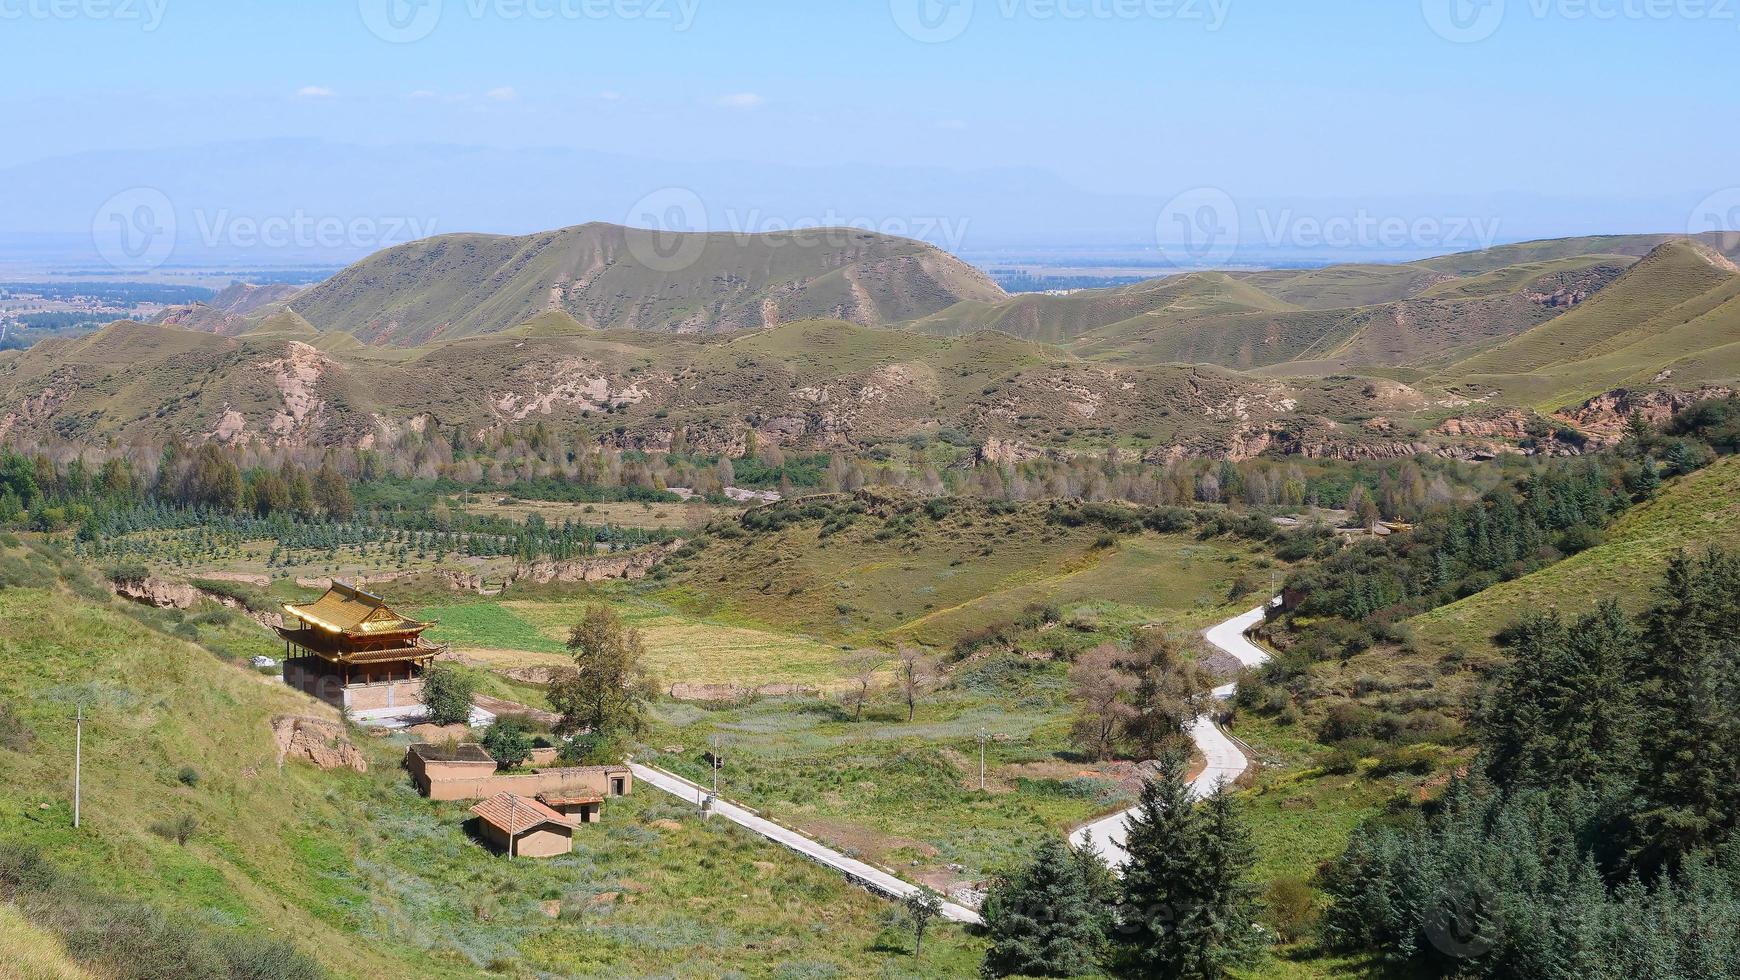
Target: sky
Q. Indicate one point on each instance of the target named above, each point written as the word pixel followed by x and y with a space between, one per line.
pixel 1392 104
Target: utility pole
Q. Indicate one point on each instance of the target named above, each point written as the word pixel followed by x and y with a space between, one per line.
pixel 715 766
pixel 78 760
pixel 982 760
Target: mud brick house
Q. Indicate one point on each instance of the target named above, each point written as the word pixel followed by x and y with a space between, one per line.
pixel 522 827
pixel 468 772
pixel 351 650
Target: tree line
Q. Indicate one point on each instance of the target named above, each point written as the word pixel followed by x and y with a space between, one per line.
pixel 1596 833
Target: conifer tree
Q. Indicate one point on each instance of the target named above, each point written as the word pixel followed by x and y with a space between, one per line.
pixel 1046 920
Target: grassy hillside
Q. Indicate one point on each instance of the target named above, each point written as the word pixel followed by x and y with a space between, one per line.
pixel 1381 319
pixel 611 277
pixel 356 869
pixel 1691 513
pixel 809 385
pixel 1677 310
pixel 881 569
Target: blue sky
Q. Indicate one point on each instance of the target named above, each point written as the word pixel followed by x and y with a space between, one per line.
pixel 1356 99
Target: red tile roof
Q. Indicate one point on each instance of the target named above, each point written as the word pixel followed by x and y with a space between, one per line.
pixel 513 814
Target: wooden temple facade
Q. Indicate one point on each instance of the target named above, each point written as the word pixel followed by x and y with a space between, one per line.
pixel 351 650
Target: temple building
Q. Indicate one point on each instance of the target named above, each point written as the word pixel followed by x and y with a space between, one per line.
pixel 351 650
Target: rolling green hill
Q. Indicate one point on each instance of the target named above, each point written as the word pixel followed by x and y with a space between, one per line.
pixel 1402 321
pixel 611 277
pixel 1674 315
pixel 1691 513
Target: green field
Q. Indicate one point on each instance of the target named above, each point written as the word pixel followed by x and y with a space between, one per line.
pixel 680 648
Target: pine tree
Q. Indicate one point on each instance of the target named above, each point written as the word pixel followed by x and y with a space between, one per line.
pixel 1046 920
pixel 1160 886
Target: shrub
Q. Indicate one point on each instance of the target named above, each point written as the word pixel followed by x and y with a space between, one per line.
pixel 180 830
pixel 508 742
pixel 447 691
pixel 1291 908
pixel 15 736
pixel 188 776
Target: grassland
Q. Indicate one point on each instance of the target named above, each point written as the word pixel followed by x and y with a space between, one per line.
pixel 907 573
pixel 32 953
pixel 356 868
pixel 657 517
pixel 680 647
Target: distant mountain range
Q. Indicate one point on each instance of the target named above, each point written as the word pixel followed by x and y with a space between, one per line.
pixel 843 340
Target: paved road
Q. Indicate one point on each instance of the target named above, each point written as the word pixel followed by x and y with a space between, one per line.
pixel 1226 761
pixel 872 878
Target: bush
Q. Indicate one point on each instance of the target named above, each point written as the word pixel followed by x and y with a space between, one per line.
pixel 15 736
pixel 180 830
pixel 508 742
pixel 447 691
pixel 1291 908
pixel 188 776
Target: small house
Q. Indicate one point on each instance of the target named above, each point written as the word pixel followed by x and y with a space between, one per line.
pixel 520 826
pixel 578 807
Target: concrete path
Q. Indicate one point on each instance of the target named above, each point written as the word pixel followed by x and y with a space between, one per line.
pixel 1226 761
pixel 873 878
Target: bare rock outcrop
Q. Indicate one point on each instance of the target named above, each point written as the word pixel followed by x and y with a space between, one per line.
pixel 1604 418
pixel 160 592
pixel 316 741
pixel 628 565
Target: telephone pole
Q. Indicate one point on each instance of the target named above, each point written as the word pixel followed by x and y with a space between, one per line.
pixel 78 759
pixel 982 738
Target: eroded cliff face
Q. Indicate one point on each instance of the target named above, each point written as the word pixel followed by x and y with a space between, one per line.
pixel 1603 419
pixel 630 565
pixel 317 742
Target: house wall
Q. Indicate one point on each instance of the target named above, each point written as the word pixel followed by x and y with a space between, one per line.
pixel 384 694
pixel 440 780
pixel 319 679
pixel 582 812
pixel 548 840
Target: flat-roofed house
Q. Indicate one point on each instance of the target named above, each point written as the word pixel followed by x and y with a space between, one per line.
pixel 351 650
pixel 520 826
pixel 580 807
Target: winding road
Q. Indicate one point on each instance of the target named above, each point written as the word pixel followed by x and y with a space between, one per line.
pixel 1226 761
